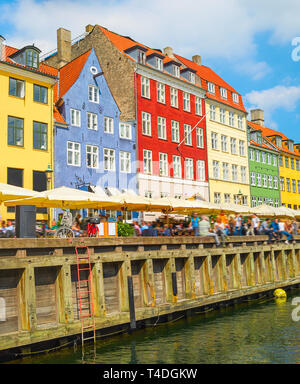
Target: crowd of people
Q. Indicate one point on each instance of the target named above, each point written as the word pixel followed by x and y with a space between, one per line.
pixel 7 229
pixel 221 227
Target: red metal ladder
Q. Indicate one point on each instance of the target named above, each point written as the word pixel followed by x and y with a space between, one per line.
pixel 85 303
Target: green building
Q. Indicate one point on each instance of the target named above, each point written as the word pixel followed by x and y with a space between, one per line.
pixel 263 168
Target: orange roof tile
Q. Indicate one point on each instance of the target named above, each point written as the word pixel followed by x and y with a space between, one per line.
pixel 57 116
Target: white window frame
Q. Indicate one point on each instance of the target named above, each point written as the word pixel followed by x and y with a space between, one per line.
pixel 186 101
pixel 163 164
pixel 211 87
pixel 162 128
pixel 125 162
pixel 212 112
pixel 243 175
pixel 145 87
pixel 74 152
pixel 223 115
pixel 223 92
pixel 231 119
pixel 258 176
pixel 235 98
pixel 217 197
pixel 253 179
pixel 110 155
pixel 92 121
pixel 198 105
pixel 200 137
pixel 234 172
pixel 242 147
pixel 147 161
pixel 225 168
pixel 93 92
pixel 90 150
pixel 146 123
pixel 189 169
pixel 216 169
pixel 125 131
pixel 75 117
pixel 175 131
pixel 251 154
pixel 177 168
pixel 224 143
pixel 265 181
pixel 233 146
pixel 176 71
pixel 201 170
pixel 108 125
pixel 161 93
pixel 188 134
pixel 159 63
pixel 214 140
pixel 174 97
pixel 240 122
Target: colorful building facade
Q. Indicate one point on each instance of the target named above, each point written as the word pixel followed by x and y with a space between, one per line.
pixel 289 161
pixel 263 169
pixel 92 147
pixel 226 130
pixel 26 120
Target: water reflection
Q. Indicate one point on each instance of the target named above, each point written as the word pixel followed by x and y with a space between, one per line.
pixel 248 333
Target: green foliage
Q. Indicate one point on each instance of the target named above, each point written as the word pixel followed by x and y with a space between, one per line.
pixel 125 230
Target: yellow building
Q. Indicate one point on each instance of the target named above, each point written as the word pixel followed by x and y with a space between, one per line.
pixel 26 121
pixel 289 163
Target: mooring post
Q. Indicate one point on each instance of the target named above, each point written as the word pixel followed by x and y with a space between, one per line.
pixel 131 302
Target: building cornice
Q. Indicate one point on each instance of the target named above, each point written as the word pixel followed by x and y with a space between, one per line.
pixel 26 72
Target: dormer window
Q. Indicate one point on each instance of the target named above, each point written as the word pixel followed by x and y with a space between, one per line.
pixel 278 141
pixel 192 78
pixel 211 87
pixel 291 145
pixel 176 71
pixel 259 138
pixel 223 92
pixel 31 58
pixel 28 56
pixel 141 57
pixel 235 98
pixel 159 63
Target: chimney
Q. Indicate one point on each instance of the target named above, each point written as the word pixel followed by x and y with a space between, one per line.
pixel 89 28
pixel 197 59
pixel 257 116
pixel 63 47
pixel 168 51
pixel 1 47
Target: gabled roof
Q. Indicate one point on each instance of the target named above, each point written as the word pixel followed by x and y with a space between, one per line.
pixel 69 73
pixel 208 75
pixel 58 117
pixel 43 69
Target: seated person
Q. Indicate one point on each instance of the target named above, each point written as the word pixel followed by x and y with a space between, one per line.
pixel 76 229
pixel 52 229
pixel 9 229
pixel 205 230
pixel 267 229
pixel 3 229
pixel 166 230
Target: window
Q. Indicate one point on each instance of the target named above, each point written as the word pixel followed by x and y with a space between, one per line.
pixel 146 122
pixel 253 201
pixel 174 97
pixel 292 163
pixel 109 159
pixel 92 121
pixel 242 148
pixel 223 92
pixel 298 182
pixel 201 170
pixel 163 164
pixel 233 145
pixel 92 156
pixel 251 154
pixel 159 63
pixel 216 170
pixel 16 88
pixel 245 200
pixel 125 131
pixel 231 119
pixel 282 185
pixel 280 161
pixel 40 136
pixel 211 87
pixel 257 155
pixel 253 179
pixel 263 157
pixel 149 194
pixel 141 57
pixel 186 102
pixel 145 83
pixel 31 58
pixel 75 117
pixel 287 162
pixel 187 134
pixel 288 185
pixel 15 131
pixel 243 175
pixel 240 122
pixel 217 198
pixel 125 162
pixel 258 179
pixel 275 182
pixel 271 182
pixel 269 158
pixel 189 169
pixel 108 125
pixel 227 198
pixel 235 98
pixel 200 140
pixel 294 186
pixel 234 172
pixel 93 94
pixel 161 93
pixel 259 201
pixel 40 94
pixel 162 128
pixel 297 165
pixel 236 199
pixel 198 105
pixel 265 181
pixel 225 171
pixel 214 140
pixel 276 204
pixel 212 112
pixel 14 177
pixel 176 71
pixel 222 116
pixel 175 131
pixel 73 154
pixel 164 194
pixel 178 196
pixel 147 156
pixel 274 161
pixel 177 166
pixel 192 78
pixel 224 146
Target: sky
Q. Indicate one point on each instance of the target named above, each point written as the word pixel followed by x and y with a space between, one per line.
pixel 254 45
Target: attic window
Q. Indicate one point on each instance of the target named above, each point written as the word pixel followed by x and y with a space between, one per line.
pixel 32 58
pixel 278 141
pixel 259 138
pixel 192 78
pixel 235 98
pixel 223 92
pixel 159 63
pixel 141 57
pixel 211 87
pixel 176 71
pixel 291 146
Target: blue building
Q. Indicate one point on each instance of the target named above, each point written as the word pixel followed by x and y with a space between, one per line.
pixel 92 148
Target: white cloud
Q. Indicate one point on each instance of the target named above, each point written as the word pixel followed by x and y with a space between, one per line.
pixel 276 98
pixel 224 29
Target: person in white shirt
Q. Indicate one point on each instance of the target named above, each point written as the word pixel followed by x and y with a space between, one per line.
pixel 256 224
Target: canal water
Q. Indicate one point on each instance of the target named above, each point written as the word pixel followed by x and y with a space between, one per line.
pixel 257 332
